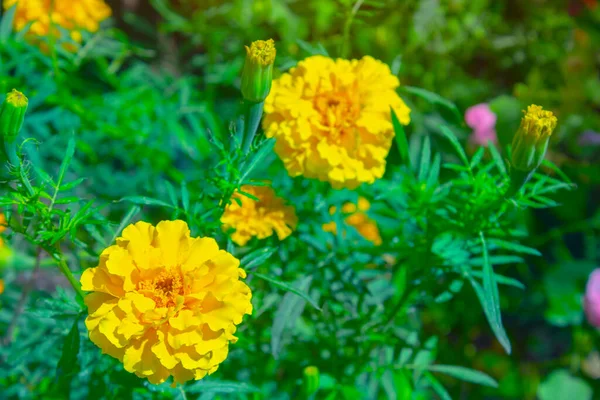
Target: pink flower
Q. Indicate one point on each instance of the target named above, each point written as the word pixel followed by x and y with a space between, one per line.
pixel 483 121
pixel 591 301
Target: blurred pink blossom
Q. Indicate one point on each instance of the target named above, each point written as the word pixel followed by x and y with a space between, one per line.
pixel 483 121
pixel 591 301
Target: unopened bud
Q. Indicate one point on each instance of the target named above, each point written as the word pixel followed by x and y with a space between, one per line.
pixel 257 74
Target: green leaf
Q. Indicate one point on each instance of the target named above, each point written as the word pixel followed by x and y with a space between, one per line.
pixel 125 221
pixel 455 143
pixel 490 299
pixel 289 310
pixel 185 196
pixel 436 100
pixel 257 257
pixel 501 279
pixel 425 159
pixel 498 159
pixel 434 172
pixel 517 248
pixel 66 161
pixel 401 140
pixel 147 201
pixel 289 288
pixel 6 23
pixel 437 387
pixel 464 374
pixel 264 149
pixel 68 364
pixel 208 386
pixel 561 385
pixel 476 159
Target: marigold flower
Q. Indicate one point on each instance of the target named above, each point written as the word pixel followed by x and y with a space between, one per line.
pixel 164 303
pixel 331 119
pixel 45 16
pixel 257 74
pixel 258 219
pixel 356 217
pixel 531 140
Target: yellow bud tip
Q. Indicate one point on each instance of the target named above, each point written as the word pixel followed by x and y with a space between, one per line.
pixel 262 51
pixel 538 122
pixel 311 371
pixel 16 99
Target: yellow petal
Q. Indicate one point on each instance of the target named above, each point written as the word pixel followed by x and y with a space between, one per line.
pixel 173 241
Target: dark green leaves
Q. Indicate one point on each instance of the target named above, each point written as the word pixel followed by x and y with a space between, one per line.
pixel 436 100
pixel 68 365
pixel 401 140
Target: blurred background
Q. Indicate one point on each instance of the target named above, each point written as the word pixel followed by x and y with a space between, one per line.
pixel 186 55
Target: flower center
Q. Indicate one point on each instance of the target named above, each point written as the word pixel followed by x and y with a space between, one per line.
pixel 164 288
pixel 339 112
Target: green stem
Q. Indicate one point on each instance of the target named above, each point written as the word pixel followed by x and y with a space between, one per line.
pixel 347 25
pixel 253 114
pixel 64 268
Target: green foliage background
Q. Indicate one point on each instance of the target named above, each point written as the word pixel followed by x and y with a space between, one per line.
pixel 136 126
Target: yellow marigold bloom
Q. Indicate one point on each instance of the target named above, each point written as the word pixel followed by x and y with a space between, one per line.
pixel 164 303
pixel 258 219
pixel 45 16
pixel 356 217
pixel 531 140
pixel 331 119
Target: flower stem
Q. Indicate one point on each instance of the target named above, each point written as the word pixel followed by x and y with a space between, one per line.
pixel 64 268
pixel 253 114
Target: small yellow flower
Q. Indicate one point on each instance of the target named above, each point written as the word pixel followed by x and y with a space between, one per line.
pixel 331 119
pixel 258 219
pixel 44 16
pixel 164 303
pixel 257 74
pixel 356 217
pixel 531 140
pixel 1 286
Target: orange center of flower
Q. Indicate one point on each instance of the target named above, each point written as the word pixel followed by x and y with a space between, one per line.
pixel 164 288
pixel 339 112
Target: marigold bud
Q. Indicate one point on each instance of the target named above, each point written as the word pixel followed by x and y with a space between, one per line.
pixel 257 74
pixel 311 380
pixel 12 114
pixel 531 140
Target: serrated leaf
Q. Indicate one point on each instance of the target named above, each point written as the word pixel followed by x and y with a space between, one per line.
pixel 264 149
pixel 464 374
pixel 498 159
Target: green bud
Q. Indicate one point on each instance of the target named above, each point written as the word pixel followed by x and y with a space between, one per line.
pixel 529 146
pixel 257 74
pixel 311 380
pixel 531 140
pixel 12 114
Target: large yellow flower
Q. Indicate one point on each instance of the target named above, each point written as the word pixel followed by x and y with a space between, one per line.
pixel 251 218
pixel 356 216
pixel 165 304
pixel 331 119
pixel 45 16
